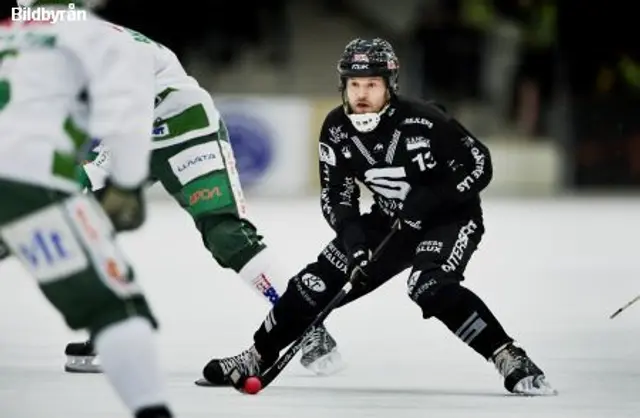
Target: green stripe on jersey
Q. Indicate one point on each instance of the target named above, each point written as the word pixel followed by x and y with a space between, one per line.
pixel 191 119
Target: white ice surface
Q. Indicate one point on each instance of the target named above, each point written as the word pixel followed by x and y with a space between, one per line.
pixel 552 271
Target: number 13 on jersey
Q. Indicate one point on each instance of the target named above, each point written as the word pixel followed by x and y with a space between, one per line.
pixel 424 160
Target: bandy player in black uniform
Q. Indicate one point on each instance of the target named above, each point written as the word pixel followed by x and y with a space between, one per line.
pixel 426 171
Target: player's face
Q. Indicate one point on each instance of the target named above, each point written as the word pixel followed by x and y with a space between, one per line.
pixel 367 94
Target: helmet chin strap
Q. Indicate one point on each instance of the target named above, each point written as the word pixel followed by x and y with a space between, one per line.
pixel 366 122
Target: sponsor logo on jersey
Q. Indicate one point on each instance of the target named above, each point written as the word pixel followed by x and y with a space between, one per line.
pixel 313 283
pixel 160 131
pixel 459 247
pixel 327 155
pixel 336 134
pixel 208 194
pixel 336 257
pixel 477 172
pixel 197 161
pixel 204 194
pixel 429 247
pixel 417 142
pixel 418 121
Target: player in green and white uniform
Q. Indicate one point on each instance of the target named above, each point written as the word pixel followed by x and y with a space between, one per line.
pixel 59 83
pixel 193 160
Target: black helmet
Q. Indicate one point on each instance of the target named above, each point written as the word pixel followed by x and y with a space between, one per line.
pixel 369 58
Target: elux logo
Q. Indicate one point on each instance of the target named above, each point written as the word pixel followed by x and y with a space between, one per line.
pixel 204 194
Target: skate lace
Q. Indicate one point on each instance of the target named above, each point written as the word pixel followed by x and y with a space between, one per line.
pixel 509 359
pixel 246 362
pixel 314 339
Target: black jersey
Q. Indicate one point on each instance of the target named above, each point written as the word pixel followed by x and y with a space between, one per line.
pixel 418 159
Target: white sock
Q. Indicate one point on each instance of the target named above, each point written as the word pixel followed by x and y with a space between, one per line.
pixel 130 361
pixel 263 275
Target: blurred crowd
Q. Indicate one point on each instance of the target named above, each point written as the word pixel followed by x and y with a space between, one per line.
pixel 533 50
pixel 567 70
pixel 528 60
pixel 584 50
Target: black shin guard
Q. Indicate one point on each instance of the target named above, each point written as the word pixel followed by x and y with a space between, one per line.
pixel 467 316
pixel 291 315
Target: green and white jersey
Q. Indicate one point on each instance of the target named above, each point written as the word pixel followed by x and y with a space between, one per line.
pixel 60 86
pixel 64 82
pixel 183 109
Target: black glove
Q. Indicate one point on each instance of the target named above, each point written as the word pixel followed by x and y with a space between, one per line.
pixel 98 193
pixel 125 207
pixel 409 224
pixel 409 218
pixel 354 241
pixel 359 261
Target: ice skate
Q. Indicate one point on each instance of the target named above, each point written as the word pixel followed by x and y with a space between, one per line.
pixel 320 353
pixel 81 358
pixel 521 375
pixel 248 363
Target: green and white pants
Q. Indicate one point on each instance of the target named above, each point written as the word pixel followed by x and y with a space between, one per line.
pixel 66 242
pixel 202 177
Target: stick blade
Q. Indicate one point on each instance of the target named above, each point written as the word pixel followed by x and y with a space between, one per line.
pixel 202 382
pixel 631 302
pixel 616 313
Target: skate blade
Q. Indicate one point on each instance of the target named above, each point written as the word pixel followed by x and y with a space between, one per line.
pixel 81 364
pixel 202 382
pixel 327 365
pixel 534 386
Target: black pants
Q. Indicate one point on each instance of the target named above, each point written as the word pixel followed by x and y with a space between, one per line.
pixel 439 254
pixel 437 259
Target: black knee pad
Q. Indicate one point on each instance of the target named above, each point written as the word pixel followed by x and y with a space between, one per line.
pixel 315 286
pixel 433 289
pixel 308 292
